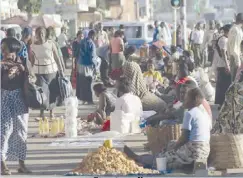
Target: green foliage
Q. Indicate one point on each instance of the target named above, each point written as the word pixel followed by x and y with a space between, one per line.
pixel 30 6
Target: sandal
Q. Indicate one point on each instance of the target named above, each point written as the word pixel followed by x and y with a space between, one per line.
pixel 5 172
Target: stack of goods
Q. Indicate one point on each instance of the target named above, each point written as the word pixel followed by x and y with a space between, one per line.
pixel 160 136
pixel 109 161
pixel 85 127
pixel 226 151
pixel 51 127
pixel 71 113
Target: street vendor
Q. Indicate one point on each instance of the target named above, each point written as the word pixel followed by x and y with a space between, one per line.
pixel 193 144
pixel 106 104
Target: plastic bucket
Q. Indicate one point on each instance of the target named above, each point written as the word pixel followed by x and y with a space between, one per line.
pixel 161 164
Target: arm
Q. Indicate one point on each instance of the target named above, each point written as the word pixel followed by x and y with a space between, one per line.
pixel 233 40
pixel 223 48
pixel 183 139
pixel 102 106
pixel 93 52
pixel 57 58
pixel 122 45
pixel 186 128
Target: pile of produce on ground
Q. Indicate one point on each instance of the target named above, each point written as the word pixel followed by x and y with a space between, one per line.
pixel 84 127
pixel 109 161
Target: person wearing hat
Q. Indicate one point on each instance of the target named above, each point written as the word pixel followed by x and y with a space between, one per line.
pixel 235 37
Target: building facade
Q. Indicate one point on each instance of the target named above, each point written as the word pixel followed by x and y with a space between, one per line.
pixel 9 8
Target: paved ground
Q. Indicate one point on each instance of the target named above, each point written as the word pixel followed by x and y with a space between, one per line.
pixel 45 161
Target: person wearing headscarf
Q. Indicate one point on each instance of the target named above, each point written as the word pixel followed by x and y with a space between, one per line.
pixel 14 112
pixel 150 101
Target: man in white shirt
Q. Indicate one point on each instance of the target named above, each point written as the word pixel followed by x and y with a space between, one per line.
pixel 101 37
pixel 128 109
pixel 207 47
pixel 63 42
pixel 197 41
pixel 234 45
pixel 86 31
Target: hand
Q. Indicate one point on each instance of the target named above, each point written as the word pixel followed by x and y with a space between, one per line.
pixel 227 68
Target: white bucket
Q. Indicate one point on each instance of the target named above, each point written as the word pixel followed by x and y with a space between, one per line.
pixel 161 164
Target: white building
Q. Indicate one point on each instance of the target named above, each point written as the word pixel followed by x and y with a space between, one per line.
pixel 145 9
pixel 9 8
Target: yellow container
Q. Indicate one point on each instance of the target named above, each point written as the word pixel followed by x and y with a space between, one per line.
pixel 108 143
pixel 46 126
pixel 54 127
pixel 41 124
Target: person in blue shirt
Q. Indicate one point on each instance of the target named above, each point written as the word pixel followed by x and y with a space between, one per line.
pixel 194 142
pixel 86 68
pixel 156 31
pixel 23 54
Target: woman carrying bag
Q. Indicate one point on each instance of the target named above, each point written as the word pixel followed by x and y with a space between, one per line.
pixel 47 64
pixel 14 112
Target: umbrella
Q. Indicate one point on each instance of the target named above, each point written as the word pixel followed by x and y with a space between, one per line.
pixel 19 20
pixel 44 21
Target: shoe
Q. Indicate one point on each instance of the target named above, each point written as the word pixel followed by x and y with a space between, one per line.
pixel 5 172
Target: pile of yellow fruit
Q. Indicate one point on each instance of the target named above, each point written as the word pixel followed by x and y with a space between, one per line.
pixel 108 161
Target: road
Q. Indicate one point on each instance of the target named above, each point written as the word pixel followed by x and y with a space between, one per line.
pixel 48 161
pixel 45 160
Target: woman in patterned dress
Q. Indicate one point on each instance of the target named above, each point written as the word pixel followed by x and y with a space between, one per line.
pixel 230 118
pixel 150 101
pixel 14 112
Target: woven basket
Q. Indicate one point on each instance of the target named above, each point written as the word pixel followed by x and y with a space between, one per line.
pixel 159 137
pixel 226 151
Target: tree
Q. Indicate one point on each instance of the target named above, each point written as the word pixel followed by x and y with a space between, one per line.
pixel 30 6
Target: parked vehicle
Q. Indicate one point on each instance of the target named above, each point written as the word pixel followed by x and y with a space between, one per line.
pixel 137 33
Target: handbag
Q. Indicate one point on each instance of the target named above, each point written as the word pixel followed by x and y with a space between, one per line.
pixel 36 96
pixel 65 87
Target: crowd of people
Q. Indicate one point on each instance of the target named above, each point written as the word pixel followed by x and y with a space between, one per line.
pixel 156 82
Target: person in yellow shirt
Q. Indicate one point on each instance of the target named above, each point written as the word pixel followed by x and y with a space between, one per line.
pixel 152 78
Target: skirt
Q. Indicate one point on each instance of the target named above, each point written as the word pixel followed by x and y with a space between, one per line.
pixel 117 60
pixel 83 88
pixel 222 85
pixel 52 81
pixel 14 125
pixel 185 155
